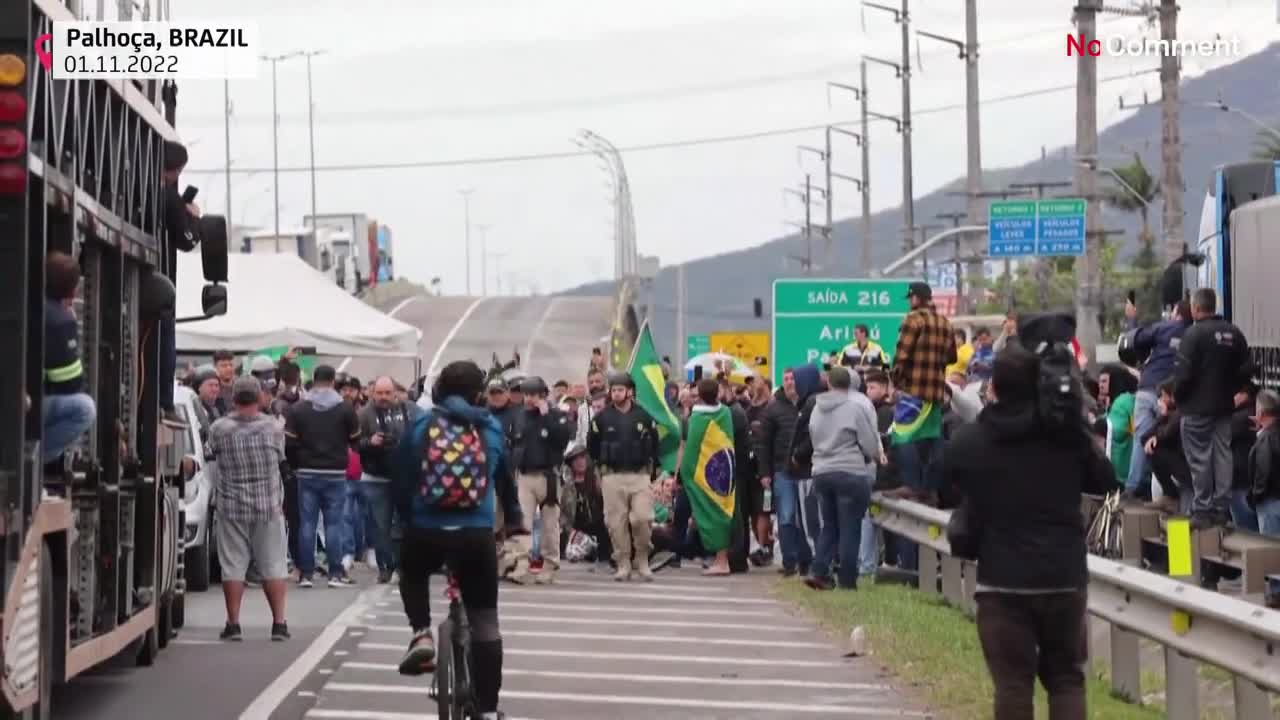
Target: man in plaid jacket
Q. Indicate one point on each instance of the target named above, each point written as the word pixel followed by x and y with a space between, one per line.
pixel 926 345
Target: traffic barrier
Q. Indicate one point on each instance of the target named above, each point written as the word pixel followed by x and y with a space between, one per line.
pixel 1193 625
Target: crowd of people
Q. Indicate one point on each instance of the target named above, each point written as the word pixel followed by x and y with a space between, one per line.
pixel 501 476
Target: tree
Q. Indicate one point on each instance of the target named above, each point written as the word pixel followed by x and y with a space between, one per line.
pixel 1133 194
pixel 1267 145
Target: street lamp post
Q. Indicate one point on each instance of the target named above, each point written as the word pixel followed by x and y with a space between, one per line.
pixel 483 231
pixel 466 221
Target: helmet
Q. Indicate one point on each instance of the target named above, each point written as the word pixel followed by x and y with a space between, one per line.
pixel 621 378
pixel 1126 351
pixel 574 450
pixel 534 386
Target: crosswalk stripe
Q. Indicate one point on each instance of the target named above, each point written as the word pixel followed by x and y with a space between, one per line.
pixel 664 679
pixel 620 592
pixel 659 583
pixel 681 639
pixel 667 658
pixel 331 714
pixel 656 701
pixel 612 622
pixel 617 609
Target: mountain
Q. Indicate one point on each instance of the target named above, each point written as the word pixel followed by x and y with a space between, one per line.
pixel 721 288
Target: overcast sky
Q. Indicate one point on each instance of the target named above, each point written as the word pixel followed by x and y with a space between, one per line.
pixel 446 80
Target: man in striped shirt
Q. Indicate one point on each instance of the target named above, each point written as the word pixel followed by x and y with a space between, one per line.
pixel 249 447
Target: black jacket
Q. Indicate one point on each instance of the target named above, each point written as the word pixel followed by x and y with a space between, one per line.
pixel 1032 534
pixel 1264 466
pixel 1242 438
pixel 376 459
pixel 801 464
pixel 1213 363
pixel 777 425
pixel 318 438
pixel 182 231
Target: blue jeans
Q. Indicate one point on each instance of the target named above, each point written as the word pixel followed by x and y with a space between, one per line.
pixel 355 540
pixel 66 418
pixel 842 499
pixel 869 549
pixel 920 467
pixel 377 498
pixel 791 536
pixel 1269 524
pixel 328 494
pixel 168 343
pixel 1243 516
pixel 1144 421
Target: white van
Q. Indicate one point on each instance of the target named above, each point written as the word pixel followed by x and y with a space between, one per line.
pixel 197 495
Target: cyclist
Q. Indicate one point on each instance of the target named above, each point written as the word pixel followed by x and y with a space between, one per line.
pixel 454 529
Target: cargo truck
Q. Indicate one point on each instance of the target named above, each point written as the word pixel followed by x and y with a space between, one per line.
pixel 91 545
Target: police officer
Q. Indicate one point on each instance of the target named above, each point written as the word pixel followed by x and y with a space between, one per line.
pixel 538 439
pixel 623 442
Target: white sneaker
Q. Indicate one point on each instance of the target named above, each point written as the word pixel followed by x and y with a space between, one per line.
pixel 371 559
pixel 347 562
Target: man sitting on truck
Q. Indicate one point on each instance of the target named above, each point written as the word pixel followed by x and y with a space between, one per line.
pixel 68 410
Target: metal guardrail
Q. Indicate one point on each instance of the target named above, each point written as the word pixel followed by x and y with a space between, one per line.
pixel 1193 625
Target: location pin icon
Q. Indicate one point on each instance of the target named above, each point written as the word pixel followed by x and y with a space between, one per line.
pixel 42 51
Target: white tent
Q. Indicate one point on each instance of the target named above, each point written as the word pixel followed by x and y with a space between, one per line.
pixel 277 299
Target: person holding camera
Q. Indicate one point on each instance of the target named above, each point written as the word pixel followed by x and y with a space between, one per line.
pixel 382 424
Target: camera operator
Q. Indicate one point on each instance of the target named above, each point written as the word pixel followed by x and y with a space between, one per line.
pixel 1029 537
pixel 1155 348
pixel 382 424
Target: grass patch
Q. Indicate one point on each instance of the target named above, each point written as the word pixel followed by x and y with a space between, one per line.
pixel 933 648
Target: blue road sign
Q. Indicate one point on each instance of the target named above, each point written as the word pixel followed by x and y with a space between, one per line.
pixel 1042 227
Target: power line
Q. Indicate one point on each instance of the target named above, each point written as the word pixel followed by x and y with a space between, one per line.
pixel 691 142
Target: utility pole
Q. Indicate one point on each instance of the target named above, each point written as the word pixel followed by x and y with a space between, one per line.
pixel 1170 136
pixel 226 129
pixel 275 147
pixel 908 193
pixel 311 137
pixel 866 174
pixel 1088 299
pixel 466 220
pixel 973 141
pixel 483 230
pixel 808 225
pixel 497 270
pixel 680 316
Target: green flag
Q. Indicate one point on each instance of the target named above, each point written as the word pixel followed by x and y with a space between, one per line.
pixel 646 373
pixel 707 470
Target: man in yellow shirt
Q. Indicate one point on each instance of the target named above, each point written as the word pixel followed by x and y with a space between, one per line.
pixel 964 353
pixel 863 352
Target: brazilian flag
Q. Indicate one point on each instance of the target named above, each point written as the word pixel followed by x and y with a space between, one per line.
pixel 915 420
pixel 707 470
pixel 646 372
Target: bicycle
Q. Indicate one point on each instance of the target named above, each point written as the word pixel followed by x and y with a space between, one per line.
pixel 452 683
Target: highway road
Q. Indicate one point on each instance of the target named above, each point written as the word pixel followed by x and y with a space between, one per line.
pixel 585 648
pixel 554 335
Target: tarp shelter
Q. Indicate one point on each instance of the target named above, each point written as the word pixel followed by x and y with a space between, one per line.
pixel 277 299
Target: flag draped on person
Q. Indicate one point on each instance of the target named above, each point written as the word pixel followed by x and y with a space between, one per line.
pixel 707 471
pixel 915 420
pixel 646 372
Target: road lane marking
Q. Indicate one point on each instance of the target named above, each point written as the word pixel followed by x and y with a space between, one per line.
pixel 392 313
pixel 677 639
pixel 619 609
pixel 537 330
pixel 663 679
pixel 279 689
pixel 609 582
pixel 433 367
pixel 612 622
pixel 665 658
pixel 635 595
pixel 653 701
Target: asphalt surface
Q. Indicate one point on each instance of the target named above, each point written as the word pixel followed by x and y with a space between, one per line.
pixel 588 648
pixel 198 677
pixel 554 336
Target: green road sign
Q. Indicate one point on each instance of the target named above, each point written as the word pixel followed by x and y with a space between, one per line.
pixel 813 318
pixel 697 345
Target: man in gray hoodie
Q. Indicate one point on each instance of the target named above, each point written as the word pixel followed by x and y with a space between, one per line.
pixel 846 445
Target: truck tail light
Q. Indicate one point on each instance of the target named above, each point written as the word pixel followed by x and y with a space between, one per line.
pixel 12 144
pixel 13 107
pixel 13 178
pixel 13 70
